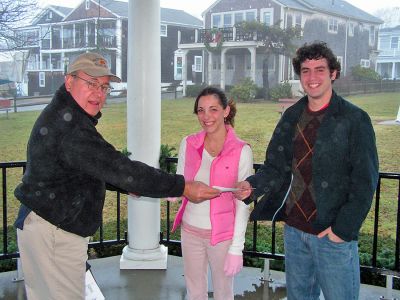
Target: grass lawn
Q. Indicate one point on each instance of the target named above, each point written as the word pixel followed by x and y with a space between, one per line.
pixel 254 123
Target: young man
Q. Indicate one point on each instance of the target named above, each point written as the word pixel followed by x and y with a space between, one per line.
pixel 319 176
pixel 63 189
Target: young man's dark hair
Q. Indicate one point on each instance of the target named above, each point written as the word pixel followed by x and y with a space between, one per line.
pixel 316 50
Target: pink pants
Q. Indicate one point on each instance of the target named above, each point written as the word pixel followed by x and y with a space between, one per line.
pixel 197 253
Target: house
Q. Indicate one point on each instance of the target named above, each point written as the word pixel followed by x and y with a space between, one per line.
pixel 388 62
pixel 349 31
pixel 59 34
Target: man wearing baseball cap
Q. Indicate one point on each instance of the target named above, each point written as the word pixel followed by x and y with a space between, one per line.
pixel 63 189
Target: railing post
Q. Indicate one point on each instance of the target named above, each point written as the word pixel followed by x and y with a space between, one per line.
pixel 389 288
pixel 20 272
pixel 267 271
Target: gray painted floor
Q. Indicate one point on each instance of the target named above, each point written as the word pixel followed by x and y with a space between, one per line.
pixel 169 284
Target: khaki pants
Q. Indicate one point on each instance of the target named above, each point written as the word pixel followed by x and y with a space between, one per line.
pixel 53 261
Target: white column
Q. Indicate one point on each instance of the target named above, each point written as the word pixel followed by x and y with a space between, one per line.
pixel 210 65
pixel 118 58
pixel 184 72
pixel 144 132
pixel 393 70
pixel 253 63
pixel 223 68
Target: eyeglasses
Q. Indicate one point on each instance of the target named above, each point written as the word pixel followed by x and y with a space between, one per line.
pixel 94 86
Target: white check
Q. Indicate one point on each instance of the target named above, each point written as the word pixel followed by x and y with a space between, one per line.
pixel 225 189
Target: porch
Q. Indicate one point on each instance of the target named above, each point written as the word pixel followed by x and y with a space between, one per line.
pixel 169 284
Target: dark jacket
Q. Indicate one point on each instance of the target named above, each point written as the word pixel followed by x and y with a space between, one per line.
pixel 344 168
pixel 69 163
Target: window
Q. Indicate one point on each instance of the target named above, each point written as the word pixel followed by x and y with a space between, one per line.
pixel 332 25
pixel 50 15
pixel 365 63
pixel 238 17
pixel 227 20
pixel 372 35
pixel 351 29
pixel 250 16
pixel 216 21
pixel 230 63
pixel 260 62
pixel 394 42
pixel 42 79
pixel 298 18
pixel 216 64
pixel 163 30
pixel 178 67
pixel 267 16
pixel 87 4
pixel 198 63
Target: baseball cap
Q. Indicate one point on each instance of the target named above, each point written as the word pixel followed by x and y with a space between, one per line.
pixel 92 64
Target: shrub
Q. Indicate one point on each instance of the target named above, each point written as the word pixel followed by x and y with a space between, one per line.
pixel 245 91
pixel 282 90
pixel 167 151
pixel 194 90
pixel 362 74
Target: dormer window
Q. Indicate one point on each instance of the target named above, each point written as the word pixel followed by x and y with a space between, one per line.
pixel 87 4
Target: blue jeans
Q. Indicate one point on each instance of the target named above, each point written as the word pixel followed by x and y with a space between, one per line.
pixel 313 264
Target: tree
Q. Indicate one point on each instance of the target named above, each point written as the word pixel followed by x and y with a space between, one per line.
pixel 275 40
pixel 13 14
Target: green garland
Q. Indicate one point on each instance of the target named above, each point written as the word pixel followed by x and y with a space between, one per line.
pixel 214 36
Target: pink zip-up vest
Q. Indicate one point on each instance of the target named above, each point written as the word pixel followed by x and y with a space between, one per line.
pixel 223 172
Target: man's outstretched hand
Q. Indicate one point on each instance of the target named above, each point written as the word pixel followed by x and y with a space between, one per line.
pixel 197 191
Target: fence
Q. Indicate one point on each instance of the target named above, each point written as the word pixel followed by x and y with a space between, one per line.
pixel 252 251
pixel 351 87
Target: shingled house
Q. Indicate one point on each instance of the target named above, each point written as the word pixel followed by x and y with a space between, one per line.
pixel 349 31
pixel 59 34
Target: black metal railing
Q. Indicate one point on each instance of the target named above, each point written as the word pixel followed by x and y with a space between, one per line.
pixel 249 251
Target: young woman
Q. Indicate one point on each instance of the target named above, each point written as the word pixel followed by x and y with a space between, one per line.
pixel 213 232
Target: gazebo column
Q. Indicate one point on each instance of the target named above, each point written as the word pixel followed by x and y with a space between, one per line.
pixel 144 132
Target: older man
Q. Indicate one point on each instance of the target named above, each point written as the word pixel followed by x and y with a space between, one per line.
pixel 63 189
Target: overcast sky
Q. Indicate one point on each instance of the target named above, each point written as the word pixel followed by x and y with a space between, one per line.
pixel 196 7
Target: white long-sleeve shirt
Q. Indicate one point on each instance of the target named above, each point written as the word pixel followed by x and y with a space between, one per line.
pixel 198 215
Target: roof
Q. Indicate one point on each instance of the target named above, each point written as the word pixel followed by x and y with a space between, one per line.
pixel 64 11
pixel 390 29
pixel 332 7
pixel 167 15
pixel 343 8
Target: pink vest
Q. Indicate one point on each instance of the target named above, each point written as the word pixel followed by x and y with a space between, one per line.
pixel 223 172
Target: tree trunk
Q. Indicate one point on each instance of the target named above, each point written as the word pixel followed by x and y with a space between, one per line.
pixel 265 78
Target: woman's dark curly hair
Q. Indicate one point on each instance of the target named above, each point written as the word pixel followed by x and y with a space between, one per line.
pixel 316 50
pixel 223 100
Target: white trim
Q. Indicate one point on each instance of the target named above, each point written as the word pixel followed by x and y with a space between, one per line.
pixel 333 25
pixel 351 28
pixel 42 79
pixel 232 13
pixel 271 13
pixel 198 66
pixel 340 60
pixel 163 32
pixel 365 63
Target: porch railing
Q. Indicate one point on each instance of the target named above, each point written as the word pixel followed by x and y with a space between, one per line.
pixel 121 238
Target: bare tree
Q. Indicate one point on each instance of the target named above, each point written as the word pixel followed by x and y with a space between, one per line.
pixel 13 14
pixel 275 40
